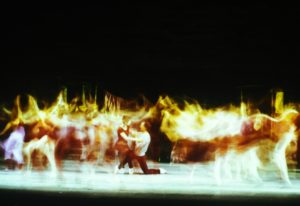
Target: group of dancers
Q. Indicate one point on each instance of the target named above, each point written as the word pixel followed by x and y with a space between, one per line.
pixel 131 145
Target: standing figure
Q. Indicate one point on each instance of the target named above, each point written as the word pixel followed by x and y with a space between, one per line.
pixel 123 150
pixel 13 147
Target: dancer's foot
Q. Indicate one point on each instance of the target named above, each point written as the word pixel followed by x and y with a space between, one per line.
pixel 119 171
pixel 162 171
pixel 131 171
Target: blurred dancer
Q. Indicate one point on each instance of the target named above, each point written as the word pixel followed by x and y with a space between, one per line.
pixel 13 147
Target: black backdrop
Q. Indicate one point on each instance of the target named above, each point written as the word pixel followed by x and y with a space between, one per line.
pixel 207 52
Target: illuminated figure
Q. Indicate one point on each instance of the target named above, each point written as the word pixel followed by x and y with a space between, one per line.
pixel 13 147
pixel 123 150
pixel 135 145
pixel 140 147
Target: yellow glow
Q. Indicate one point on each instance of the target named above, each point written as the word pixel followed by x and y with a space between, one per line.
pixel 232 130
pixel 279 104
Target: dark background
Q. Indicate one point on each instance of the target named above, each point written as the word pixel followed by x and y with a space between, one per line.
pixel 207 52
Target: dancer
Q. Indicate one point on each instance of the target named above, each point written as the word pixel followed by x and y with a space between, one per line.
pixel 13 148
pixel 135 144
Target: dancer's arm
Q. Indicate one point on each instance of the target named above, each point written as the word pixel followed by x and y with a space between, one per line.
pixel 128 138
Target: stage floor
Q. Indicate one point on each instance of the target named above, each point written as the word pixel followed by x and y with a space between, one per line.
pixel 181 181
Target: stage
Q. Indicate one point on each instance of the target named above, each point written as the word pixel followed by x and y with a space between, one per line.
pixel 185 183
